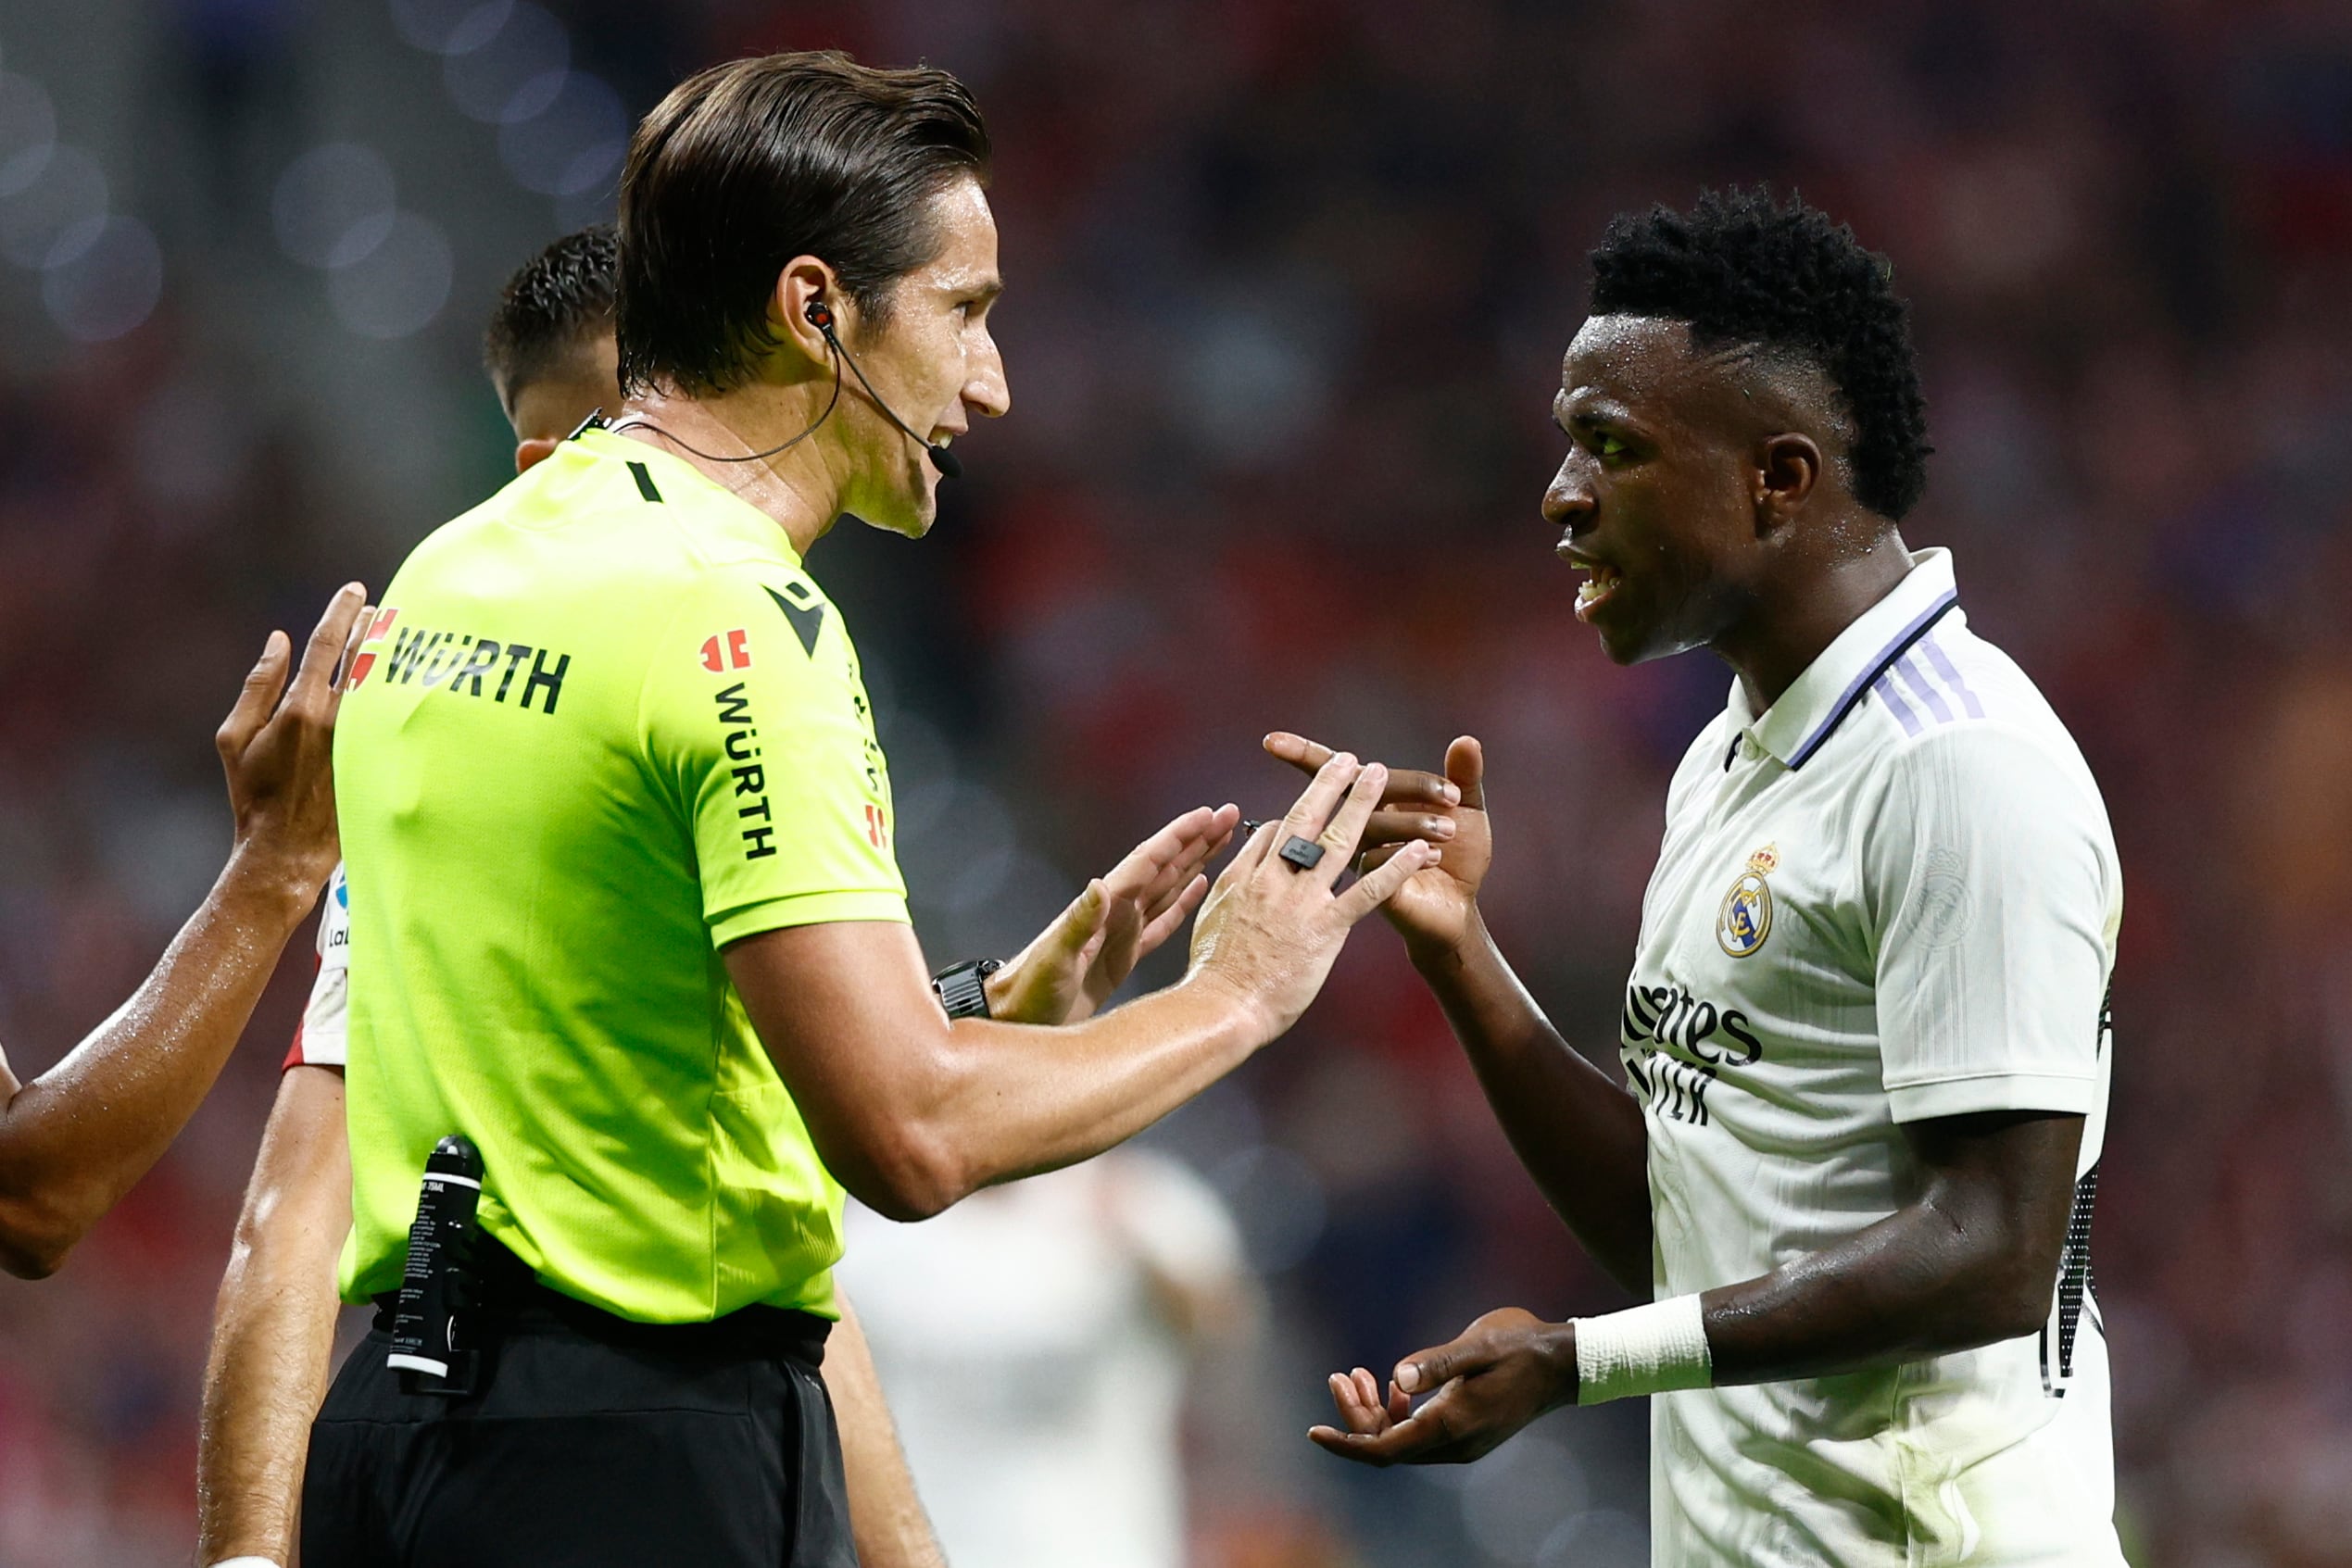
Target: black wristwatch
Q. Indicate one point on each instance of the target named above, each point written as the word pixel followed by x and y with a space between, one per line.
pixel 962 988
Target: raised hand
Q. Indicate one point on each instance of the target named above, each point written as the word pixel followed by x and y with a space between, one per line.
pixel 1271 929
pixel 1503 1371
pixel 277 746
pixel 1436 909
pixel 1118 920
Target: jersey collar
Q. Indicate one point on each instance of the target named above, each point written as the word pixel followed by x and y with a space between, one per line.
pixel 674 475
pixel 1793 728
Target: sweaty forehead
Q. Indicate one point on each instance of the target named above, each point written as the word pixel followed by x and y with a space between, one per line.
pixel 1649 366
pixel 1639 359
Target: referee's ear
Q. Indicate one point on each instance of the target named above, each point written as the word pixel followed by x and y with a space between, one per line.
pixel 531 451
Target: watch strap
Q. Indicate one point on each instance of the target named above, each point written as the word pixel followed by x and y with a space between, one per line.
pixel 962 988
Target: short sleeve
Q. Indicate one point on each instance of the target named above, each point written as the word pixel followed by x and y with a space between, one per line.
pixel 320 1040
pixel 1991 884
pixel 754 717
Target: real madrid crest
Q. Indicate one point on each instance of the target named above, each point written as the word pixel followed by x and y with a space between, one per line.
pixel 1746 916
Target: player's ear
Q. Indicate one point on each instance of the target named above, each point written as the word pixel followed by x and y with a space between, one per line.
pixel 1787 467
pixel 806 281
pixel 537 449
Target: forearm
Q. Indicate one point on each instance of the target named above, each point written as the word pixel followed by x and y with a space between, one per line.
pixel 885 1516
pixel 1919 1282
pixel 76 1138
pixel 273 1327
pixel 1002 1101
pixel 1578 1132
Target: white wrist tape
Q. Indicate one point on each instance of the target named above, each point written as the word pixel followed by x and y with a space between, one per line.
pixel 1652 1350
pixel 248 1562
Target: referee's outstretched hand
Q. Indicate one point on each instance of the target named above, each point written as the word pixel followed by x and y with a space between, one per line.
pixel 1435 911
pixel 1274 923
pixel 1117 921
pixel 277 746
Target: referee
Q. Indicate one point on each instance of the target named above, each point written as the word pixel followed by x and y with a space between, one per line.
pixel 624 912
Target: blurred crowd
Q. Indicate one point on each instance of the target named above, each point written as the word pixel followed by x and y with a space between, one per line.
pixel 1290 281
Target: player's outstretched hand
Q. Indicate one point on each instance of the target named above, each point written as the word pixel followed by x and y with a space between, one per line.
pixel 1436 911
pixel 1091 948
pixel 1271 929
pixel 1504 1369
pixel 277 746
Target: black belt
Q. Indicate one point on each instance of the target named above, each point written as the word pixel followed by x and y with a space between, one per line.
pixel 514 1298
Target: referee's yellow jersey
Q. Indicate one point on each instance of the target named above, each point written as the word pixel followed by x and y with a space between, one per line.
pixel 603 724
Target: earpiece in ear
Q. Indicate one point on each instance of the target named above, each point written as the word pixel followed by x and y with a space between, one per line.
pixel 820 315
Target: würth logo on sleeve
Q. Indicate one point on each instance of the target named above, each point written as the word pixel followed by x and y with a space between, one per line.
pixel 750 773
pixel 727 650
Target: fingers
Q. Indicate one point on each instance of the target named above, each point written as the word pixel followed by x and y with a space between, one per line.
pixel 1408 787
pixel 1300 752
pixel 256 700
pixel 1082 922
pixel 1170 920
pixel 1396 827
pixel 1379 884
pixel 1465 766
pixel 1346 827
pixel 1424 1439
pixel 1157 870
pixel 1424 1370
pixel 1357 1412
pixel 314 682
pixel 1320 801
pixel 1253 853
pixel 359 629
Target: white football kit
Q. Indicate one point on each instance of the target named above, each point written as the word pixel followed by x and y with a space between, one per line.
pixel 1035 1376
pixel 1892 896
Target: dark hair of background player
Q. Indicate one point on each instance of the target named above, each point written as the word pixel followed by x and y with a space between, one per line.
pixel 1742 269
pixel 751 163
pixel 554 302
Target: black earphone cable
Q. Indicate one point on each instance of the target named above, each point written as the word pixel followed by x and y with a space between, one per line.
pixel 642 422
pixel 820 316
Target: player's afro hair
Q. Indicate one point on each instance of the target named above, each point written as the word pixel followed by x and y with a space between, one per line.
pixel 553 302
pixel 1742 268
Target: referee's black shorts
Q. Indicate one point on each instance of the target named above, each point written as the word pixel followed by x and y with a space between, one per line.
pixel 596 1443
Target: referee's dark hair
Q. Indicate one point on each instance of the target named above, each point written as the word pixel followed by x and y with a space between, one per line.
pixel 1743 269
pixel 751 163
pixel 555 303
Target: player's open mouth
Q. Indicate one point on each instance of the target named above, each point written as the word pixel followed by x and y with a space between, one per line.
pixel 1595 589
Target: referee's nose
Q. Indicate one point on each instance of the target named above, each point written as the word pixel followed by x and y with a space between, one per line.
pixel 986 392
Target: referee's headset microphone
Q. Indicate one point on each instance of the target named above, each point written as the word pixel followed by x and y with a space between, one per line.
pixel 819 315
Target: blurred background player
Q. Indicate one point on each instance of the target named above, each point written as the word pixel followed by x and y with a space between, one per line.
pixel 74 1139
pixel 549 355
pixel 1036 1341
pixel 669 988
pixel 1866 1031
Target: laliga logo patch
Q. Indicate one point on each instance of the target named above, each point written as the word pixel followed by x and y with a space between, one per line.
pixel 366 660
pixel 728 651
pixel 1746 916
